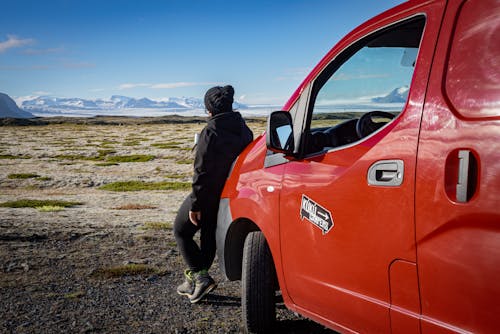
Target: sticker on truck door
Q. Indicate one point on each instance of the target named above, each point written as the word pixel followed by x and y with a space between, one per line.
pixel 316 214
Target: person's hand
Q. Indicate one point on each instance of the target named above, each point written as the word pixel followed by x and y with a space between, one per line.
pixel 195 217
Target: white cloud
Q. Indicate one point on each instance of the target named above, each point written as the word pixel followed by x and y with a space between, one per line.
pixel 35 52
pixel 14 42
pixel 42 92
pixel 132 85
pixel 25 68
pixel 181 84
pixel 170 85
pixel 77 65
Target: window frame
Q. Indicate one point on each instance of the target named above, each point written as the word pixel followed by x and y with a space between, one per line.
pixel 336 63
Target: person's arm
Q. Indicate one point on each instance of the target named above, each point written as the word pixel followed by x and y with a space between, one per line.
pixel 204 164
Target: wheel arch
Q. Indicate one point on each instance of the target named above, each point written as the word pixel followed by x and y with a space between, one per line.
pixel 233 246
pixel 231 234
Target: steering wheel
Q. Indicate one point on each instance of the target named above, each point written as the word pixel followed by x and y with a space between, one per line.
pixel 366 125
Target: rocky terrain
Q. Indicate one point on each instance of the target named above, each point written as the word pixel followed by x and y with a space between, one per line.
pixel 89 255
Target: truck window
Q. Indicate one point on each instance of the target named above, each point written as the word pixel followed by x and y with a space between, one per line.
pixel 373 75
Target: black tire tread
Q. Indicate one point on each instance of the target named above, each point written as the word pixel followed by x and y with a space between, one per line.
pixel 258 282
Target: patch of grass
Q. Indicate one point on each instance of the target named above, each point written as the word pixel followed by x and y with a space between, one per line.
pixel 10 156
pixel 44 178
pixel 157 226
pixel 105 152
pixel 75 295
pixel 105 164
pixel 175 176
pixel 131 158
pixel 174 144
pixel 32 187
pixel 171 244
pixel 126 270
pixel 50 208
pixel 184 161
pixel 107 143
pixel 35 203
pixel 79 157
pixel 23 176
pixel 135 207
pixel 105 146
pixel 142 185
pixel 132 143
pixel 136 139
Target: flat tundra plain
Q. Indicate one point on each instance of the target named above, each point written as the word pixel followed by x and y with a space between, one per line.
pixel 86 242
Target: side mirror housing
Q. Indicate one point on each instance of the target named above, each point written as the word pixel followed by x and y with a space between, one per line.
pixel 279 134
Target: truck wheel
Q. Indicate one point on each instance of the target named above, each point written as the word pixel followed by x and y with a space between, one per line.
pixel 258 285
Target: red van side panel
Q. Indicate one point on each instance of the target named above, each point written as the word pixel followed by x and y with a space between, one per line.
pixel 473 86
pixel 458 175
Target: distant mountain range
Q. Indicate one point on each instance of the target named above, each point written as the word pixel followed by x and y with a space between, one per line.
pixel 129 106
pixel 55 104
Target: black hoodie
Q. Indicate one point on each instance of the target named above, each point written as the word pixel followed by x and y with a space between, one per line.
pixel 219 143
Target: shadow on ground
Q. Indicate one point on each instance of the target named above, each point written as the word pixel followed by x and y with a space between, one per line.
pixel 298 325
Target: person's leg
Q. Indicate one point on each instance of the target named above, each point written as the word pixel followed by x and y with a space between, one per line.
pixel 208 243
pixel 204 283
pixel 184 232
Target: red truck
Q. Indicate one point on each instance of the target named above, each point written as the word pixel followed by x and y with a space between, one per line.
pixel 389 220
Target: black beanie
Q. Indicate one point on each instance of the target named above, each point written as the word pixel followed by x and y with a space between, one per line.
pixel 219 99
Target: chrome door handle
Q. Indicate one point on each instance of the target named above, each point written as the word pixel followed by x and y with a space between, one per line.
pixel 387 173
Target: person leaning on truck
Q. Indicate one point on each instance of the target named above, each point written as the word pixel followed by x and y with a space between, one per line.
pixel 220 142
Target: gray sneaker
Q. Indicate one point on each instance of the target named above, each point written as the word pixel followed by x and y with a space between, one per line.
pixel 203 285
pixel 187 288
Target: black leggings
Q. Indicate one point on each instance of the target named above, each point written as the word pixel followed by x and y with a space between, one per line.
pixel 202 256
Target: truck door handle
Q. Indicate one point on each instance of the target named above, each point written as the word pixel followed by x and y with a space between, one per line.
pixel 467 176
pixel 387 173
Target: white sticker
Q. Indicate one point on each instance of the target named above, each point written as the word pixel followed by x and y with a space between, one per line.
pixel 316 214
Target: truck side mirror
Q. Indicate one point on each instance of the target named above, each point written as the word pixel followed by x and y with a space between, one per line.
pixel 279 134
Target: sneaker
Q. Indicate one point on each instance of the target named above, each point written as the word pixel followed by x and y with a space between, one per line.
pixel 203 285
pixel 187 288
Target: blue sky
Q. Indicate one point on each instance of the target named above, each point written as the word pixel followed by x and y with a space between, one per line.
pixel 159 49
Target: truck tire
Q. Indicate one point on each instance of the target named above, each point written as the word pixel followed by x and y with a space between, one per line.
pixel 258 285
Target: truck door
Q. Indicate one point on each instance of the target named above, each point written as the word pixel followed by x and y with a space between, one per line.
pixel 458 175
pixel 347 205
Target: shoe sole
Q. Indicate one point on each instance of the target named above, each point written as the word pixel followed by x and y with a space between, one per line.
pixel 208 290
pixel 183 293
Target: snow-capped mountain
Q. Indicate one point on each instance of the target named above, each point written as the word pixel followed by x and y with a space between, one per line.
pixel 55 105
pixel 9 108
pixel 398 95
pixel 188 102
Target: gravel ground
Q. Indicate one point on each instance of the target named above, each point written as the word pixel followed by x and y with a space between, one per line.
pixel 59 270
